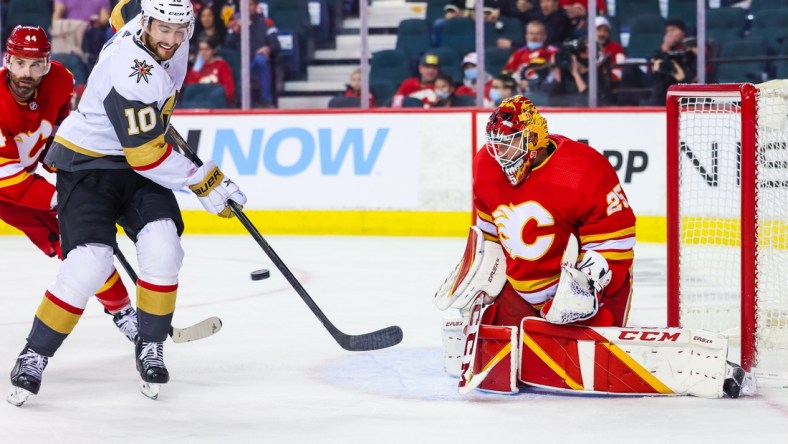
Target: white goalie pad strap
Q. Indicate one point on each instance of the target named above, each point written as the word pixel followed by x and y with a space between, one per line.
pixel 667 361
pixel 452 331
pixel 482 269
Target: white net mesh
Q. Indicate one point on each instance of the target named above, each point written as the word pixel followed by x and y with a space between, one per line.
pixel 710 220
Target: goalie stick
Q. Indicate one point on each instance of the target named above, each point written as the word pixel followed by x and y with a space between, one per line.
pixel 200 330
pixel 383 338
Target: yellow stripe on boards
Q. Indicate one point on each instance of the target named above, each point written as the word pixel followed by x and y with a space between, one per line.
pixel 360 223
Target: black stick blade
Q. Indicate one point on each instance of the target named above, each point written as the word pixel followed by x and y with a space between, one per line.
pixel 376 340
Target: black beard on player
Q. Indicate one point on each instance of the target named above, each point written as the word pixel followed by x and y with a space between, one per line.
pixel 22 88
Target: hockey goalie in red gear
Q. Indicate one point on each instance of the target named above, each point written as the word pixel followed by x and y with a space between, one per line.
pixel 544 286
pixel 35 96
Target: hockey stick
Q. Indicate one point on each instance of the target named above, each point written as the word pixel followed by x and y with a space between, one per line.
pixel 200 330
pixel 386 337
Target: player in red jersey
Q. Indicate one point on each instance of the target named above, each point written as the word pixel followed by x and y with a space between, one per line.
pixel 35 96
pixel 540 308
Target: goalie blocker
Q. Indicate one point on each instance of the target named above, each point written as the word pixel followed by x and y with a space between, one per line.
pixel 579 359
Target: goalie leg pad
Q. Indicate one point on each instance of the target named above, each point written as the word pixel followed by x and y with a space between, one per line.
pixel 623 360
pixel 452 330
pixel 497 357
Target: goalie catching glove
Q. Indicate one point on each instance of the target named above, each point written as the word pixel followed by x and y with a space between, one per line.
pixel 215 190
pixel 579 288
pixel 482 269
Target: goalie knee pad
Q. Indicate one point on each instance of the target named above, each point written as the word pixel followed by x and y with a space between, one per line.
pixel 160 252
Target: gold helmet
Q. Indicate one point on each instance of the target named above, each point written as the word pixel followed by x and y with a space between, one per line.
pixel 515 129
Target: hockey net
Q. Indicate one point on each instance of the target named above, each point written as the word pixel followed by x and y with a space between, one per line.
pixel 727 199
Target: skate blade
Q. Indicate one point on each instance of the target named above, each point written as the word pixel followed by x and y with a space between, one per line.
pixel 150 390
pixel 17 396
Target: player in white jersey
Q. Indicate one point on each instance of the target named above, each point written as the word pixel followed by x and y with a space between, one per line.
pixel 114 166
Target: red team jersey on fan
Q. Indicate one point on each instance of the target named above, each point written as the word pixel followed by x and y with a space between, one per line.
pixel 25 129
pixel 574 191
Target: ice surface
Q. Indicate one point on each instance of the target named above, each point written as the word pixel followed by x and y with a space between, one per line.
pixel 274 375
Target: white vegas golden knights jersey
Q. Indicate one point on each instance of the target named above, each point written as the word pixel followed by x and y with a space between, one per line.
pixel 124 113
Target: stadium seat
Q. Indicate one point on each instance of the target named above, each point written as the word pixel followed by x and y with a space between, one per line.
pixel 628 10
pixel 463 100
pixel 460 34
pixel 757 5
pixel 495 59
pixel 204 95
pixel 686 10
pixel 435 10
pixel 383 90
pixel 449 62
pixel 512 29
pixel 29 13
pixel 412 102
pixel 74 64
pixel 293 16
pixel 390 65
pixel 742 71
pixel 770 25
pixel 725 24
pixel 344 102
pixel 413 37
pixel 645 36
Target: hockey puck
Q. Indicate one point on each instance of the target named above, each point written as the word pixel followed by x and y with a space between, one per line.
pixel 259 275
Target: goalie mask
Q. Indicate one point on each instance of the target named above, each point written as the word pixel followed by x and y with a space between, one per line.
pixel 516 133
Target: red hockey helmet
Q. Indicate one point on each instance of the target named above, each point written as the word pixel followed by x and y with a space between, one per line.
pixel 515 129
pixel 30 42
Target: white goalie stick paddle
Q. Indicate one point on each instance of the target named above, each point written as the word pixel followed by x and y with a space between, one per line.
pixel 200 330
pixel 468 379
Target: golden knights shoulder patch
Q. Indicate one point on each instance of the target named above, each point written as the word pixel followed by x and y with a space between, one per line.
pixel 141 69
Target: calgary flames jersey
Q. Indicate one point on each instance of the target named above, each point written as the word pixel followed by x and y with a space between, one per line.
pixel 25 128
pixel 124 112
pixel 574 191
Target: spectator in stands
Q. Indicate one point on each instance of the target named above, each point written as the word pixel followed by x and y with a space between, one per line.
pixel 93 12
pixel 211 68
pixel 445 91
pixel 453 9
pixel 503 87
pixel 570 76
pixel 601 5
pixel 673 63
pixel 353 87
pixel 557 23
pixel 530 65
pixel 421 87
pixel 470 76
pixel 610 48
pixel 264 46
pixel 525 10
pixel 577 13
pixel 209 25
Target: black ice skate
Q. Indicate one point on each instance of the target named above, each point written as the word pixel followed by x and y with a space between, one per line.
pixel 734 379
pixel 126 321
pixel 26 376
pixel 150 364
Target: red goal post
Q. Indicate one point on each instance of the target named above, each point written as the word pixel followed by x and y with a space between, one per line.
pixel 727 215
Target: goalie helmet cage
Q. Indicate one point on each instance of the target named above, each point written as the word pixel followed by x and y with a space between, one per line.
pixel 727 216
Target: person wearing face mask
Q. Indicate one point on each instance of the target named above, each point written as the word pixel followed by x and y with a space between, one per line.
pixel 530 64
pixel 444 89
pixel 503 87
